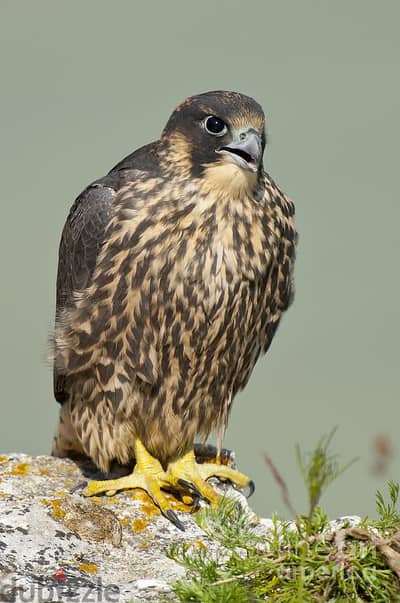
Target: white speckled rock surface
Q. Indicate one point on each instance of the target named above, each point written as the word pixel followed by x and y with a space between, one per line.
pixel 58 546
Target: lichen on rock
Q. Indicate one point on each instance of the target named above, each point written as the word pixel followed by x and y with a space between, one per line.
pixel 57 545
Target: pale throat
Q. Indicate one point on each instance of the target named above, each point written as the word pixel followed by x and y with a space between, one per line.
pixel 228 179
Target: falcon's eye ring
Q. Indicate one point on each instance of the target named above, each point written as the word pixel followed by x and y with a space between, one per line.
pixel 215 125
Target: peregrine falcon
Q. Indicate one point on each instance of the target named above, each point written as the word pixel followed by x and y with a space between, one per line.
pixel 174 271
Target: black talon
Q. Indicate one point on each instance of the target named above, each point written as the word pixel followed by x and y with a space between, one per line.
pixel 189 486
pixel 252 487
pixel 195 504
pixel 172 516
pixel 78 486
pixel 194 492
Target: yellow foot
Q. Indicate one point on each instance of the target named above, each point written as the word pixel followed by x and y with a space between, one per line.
pixel 186 473
pixel 147 475
pixel 221 463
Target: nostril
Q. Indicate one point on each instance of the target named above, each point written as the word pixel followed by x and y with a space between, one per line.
pixel 242 136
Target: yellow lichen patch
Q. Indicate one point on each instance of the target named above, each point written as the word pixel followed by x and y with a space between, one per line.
pixel 55 505
pixel 147 506
pixel 124 521
pixel 88 568
pixel 20 469
pixel 44 472
pixel 150 509
pixel 141 495
pixel 184 505
pixel 139 524
pixel 3 459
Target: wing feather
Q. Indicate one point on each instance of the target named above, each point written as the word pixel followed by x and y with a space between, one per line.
pixel 81 241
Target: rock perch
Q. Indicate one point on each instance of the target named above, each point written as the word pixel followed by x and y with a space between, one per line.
pixel 58 546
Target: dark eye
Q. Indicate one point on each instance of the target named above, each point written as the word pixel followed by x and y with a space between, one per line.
pixel 216 126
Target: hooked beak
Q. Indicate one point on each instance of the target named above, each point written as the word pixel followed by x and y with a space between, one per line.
pixel 245 149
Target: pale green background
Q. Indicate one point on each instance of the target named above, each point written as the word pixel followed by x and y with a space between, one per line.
pixel 84 83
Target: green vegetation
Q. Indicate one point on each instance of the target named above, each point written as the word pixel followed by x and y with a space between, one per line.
pixel 301 561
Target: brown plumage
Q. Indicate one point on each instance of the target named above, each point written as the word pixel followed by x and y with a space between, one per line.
pixel 174 271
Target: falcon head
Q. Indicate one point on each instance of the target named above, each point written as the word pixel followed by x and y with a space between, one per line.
pixel 218 136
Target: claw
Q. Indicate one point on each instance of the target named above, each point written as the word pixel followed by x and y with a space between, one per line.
pixel 252 487
pixel 189 486
pixel 172 516
pixel 195 504
pixel 78 486
pixel 194 492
